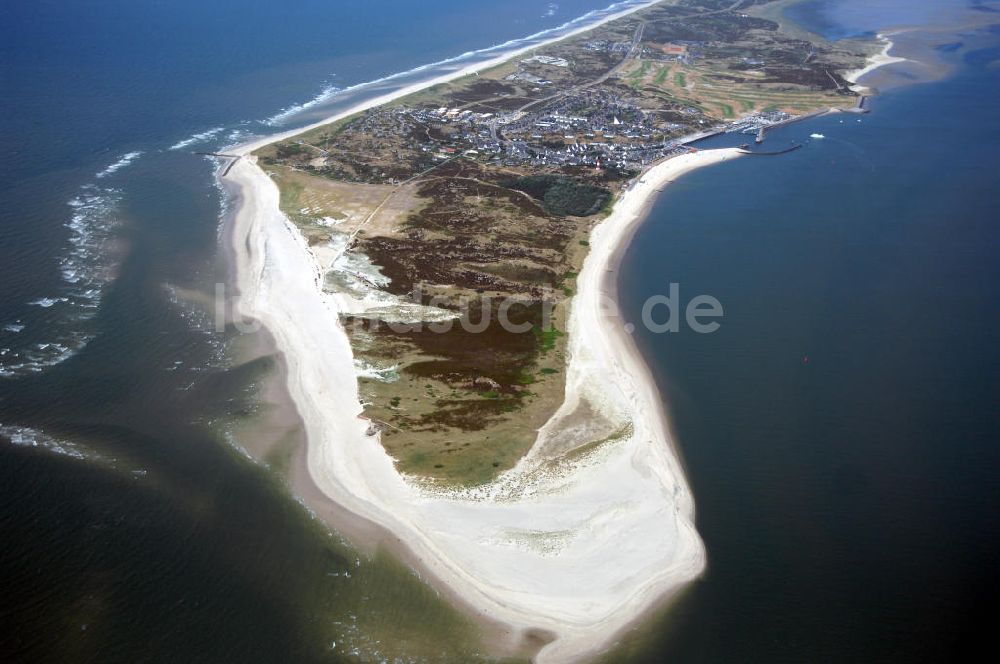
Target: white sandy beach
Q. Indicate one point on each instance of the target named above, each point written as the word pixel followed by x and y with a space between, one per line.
pixel 581 552
pixel 880 59
pixel 581 549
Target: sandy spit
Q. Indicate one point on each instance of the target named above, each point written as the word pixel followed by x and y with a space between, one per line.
pixel 880 59
pixel 580 550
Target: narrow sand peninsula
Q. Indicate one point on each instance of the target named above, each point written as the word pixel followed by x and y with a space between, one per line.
pixel 875 61
pixel 579 548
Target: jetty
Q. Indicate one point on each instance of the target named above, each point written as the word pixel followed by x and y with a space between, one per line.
pixel 793 148
pixel 700 136
pixel 860 106
pixel 235 158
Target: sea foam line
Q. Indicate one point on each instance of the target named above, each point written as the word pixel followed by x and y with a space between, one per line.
pixel 28 437
pixel 86 269
pixel 22 436
pixel 196 138
pixel 122 162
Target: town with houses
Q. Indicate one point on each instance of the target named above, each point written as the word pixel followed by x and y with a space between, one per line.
pixel 591 128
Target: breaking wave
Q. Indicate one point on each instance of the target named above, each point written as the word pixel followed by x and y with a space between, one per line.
pixel 55 326
pixel 196 138
pixel 289 111
pixel 85 269
pixel 122 162
pixel 465 59
pixel 28 437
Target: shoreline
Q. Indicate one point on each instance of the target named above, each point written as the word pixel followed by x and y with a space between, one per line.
pixel 365 536
pixel 246 148
pixel 353 470
pixel 465 542
pixel 875 61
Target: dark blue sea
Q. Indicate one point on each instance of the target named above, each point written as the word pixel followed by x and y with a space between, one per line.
pixel 840 429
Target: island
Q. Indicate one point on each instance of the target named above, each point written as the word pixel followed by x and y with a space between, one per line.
pixel 437 269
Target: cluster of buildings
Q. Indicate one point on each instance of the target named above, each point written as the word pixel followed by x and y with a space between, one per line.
pixel 604 46
pixel 622 156
pixel 594 128
pixel 446 115
pixel 528 77
pixel 587 129
pixel 685 52
pixel 534 79
pixel 547 60
pixel 751 124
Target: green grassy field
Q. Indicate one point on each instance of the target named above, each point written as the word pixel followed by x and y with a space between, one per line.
pixel 709 87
